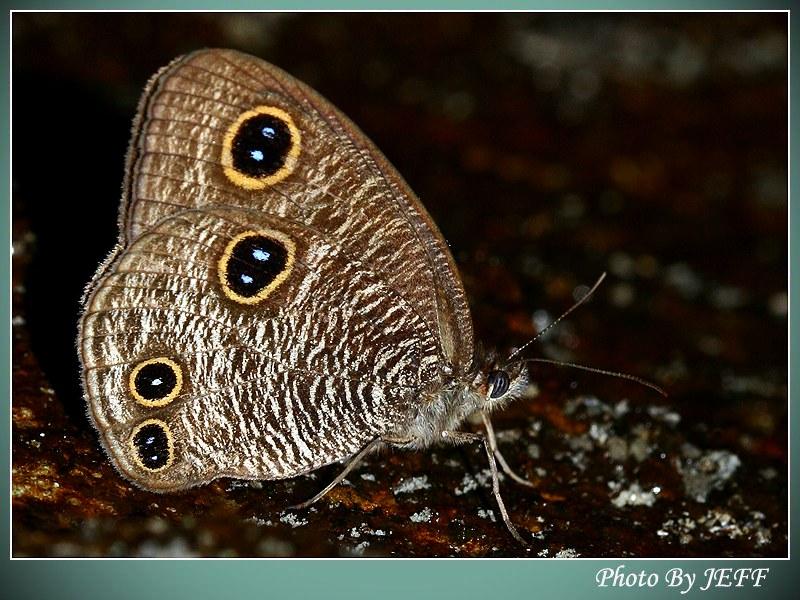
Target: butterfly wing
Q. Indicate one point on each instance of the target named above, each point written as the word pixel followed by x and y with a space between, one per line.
pixel 278 298
pixel 340 183
pixel 187 383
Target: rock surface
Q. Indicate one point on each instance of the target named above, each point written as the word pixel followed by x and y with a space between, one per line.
pixel 548 148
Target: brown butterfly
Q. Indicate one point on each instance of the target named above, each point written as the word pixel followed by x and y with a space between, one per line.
pixel 279 298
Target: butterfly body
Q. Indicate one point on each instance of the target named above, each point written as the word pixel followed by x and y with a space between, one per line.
pixel 278 300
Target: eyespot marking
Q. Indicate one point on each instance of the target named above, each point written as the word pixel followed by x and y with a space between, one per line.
pixel 260 148
pixel 152 445
pixel 156 382
pixel 254 264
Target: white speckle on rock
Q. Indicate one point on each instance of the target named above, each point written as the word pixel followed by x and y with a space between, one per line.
pixel 681 527
pixel 768 473
pixel 468 483
pixel 779 304
pixel 663 414
pixel 293 520
pixel 175 548
pixel 720 522
pixel 508 435
pixel 541 319
pixel 634 495
pixel 717 522
pixel 639 449
pixel 156 526
pixel 740 384
pixel 591 405
pixel 534 451
pixel 684 279
pixel 728 297
pixel 534 428
pixel 359 549
pixel 707 472
pixel 271 546
pixel 622 294
pixel 621 265
pixel 487 513
pixel 567 553
pixel 621 408
pixel 598 433
pixel 412 484
pixel 617 449
pixel 423 516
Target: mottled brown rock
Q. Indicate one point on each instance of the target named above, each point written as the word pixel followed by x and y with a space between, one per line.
pixel 549 148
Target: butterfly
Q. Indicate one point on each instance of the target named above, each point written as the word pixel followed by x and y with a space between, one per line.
pixel 278 299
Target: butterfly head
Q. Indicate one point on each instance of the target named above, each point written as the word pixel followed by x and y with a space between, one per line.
pixel 500 383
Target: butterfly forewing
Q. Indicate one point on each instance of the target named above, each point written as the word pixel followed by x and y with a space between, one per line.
pixel 341 183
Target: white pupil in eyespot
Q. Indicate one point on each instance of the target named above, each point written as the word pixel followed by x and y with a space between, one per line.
pixel 268 132
pixel 257 155
pixel 246 278
pixel 260 254
pixel 156 381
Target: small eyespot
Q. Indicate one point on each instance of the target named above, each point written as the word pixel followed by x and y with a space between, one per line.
pixel 156 382
pixel 260 148
pixel 254 264
pixel 152 445
pixel 498 382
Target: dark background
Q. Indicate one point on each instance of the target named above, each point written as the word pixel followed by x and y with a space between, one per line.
pixel 549 148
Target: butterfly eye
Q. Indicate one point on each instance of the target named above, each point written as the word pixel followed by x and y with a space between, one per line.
pixel 152 445
pixel 156 382
pixel 498 382
pixel 260 148
pixel 254 264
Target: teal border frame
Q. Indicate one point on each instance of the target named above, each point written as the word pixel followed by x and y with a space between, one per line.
pixel 354 579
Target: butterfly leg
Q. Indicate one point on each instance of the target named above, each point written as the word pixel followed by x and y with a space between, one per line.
pixel 463 437
pixel 500 458
pixel 351 464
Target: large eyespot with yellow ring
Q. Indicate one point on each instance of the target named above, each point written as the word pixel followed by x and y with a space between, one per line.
pixel 156 382
pixel 152 445
pixel 260 148
pixel 254 263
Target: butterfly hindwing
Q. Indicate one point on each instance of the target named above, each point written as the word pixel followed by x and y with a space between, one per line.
pixel 267 389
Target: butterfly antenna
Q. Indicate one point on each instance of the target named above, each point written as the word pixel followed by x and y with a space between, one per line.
pixel 583 299
pixel 616 374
